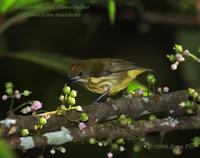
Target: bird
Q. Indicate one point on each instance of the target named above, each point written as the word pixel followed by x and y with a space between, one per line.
pixel 105 76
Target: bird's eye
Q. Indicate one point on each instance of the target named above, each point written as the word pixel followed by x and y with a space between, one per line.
pixel 81 73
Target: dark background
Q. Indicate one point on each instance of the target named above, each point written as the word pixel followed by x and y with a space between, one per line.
pixel 92 36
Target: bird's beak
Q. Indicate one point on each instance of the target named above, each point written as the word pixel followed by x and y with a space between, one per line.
pixel 73 80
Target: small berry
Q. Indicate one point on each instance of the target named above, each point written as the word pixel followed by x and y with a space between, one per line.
pixel 62 150
pixel 152 117
pixel 186 52
pixel 92 141
pixel 24 132
pixel 26 110
pixel 18 96
pixel 159 89
pixel 26 93
pixel 174 66
pixel 165 89
pixel 179 57
pixel 100 144
pixel 79 108
pixel 84 117
pixel 16 91
pixel 182 104
pixel 42 121
pixel 52 151
pixel 4 97
pixel 109 155
pixel 121 148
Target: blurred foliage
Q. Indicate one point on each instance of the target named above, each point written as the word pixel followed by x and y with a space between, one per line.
pixel 52 61
pixel 111 11
pixel 5 151
pixel 7 6
pixel 171 6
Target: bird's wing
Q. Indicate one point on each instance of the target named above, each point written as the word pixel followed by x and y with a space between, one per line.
pixel 107 66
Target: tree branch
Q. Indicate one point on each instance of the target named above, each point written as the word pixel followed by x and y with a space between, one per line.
pixel 103 121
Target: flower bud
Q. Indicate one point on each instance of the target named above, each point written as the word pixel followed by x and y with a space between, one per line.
pixel 172 58
pixel 71 100
pixel 92 141
pixel 84 117
pixel 79 108
pixel 42 121
pixel 26 93
pixel 9 91
pixel 66 89
pixel 24 132
pixel 191 91
pixel 36 105
pixel 9 85
pixel 120 141
pixel 195 95
pixel 73 93
pixel 62 98
pixel 178 48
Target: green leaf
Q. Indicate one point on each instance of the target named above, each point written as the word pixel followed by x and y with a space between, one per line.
pixel 5 5
pixel 111 11
pixel 53 61
pixel 5 151
pixel 13 5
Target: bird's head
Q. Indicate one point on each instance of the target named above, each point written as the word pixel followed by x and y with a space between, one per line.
pixel 78 72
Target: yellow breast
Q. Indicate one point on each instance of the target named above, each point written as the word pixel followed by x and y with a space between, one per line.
pixel 115 82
